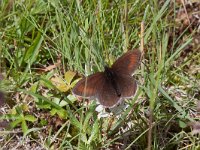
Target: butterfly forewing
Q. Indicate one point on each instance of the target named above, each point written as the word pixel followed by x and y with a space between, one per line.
pixel 89 86
pixel 128 62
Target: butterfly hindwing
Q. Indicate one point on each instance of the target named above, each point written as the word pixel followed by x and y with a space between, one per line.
pixel 107 96
pixel 127 85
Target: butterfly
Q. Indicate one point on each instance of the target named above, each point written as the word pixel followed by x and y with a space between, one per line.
pixel 114 84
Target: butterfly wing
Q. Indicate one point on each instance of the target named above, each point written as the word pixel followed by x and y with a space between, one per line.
pixel 88 87
pixel 127 85
pixel 107 95
pixel 128 62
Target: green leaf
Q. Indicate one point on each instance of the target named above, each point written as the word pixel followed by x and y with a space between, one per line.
pixel 45 80
pixel 182 124
pixel 43 106
pixel 74 82
pixel 30 118
pixel 34 87
pixel 32 52
pixel 43 122
pixel 73 119
pixel 24 126
pixel 62 113
pixel 86 120
pixel 53 111
pixel 31 130
pixel 15 123
pixel 63 103
pixel 60 103
pixel 94 132
pixel 31 55
pixel 72 98
pixel 42 98
pixel 84 138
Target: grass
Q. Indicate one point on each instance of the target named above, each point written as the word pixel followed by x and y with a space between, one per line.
pixel 43 44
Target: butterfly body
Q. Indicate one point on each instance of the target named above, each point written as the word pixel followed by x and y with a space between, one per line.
pixel 112 85
pixel 111 77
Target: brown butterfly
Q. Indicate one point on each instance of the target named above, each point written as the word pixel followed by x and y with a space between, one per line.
pixel 114 84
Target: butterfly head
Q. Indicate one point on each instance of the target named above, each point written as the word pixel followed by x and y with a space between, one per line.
pixel 109 73
pixel 106 68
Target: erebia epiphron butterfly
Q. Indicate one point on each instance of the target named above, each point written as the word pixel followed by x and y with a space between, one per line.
pixel 114 84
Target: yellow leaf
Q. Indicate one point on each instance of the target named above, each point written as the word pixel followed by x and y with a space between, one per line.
pixel 60 84
pixel 63 87
pixel 69 75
